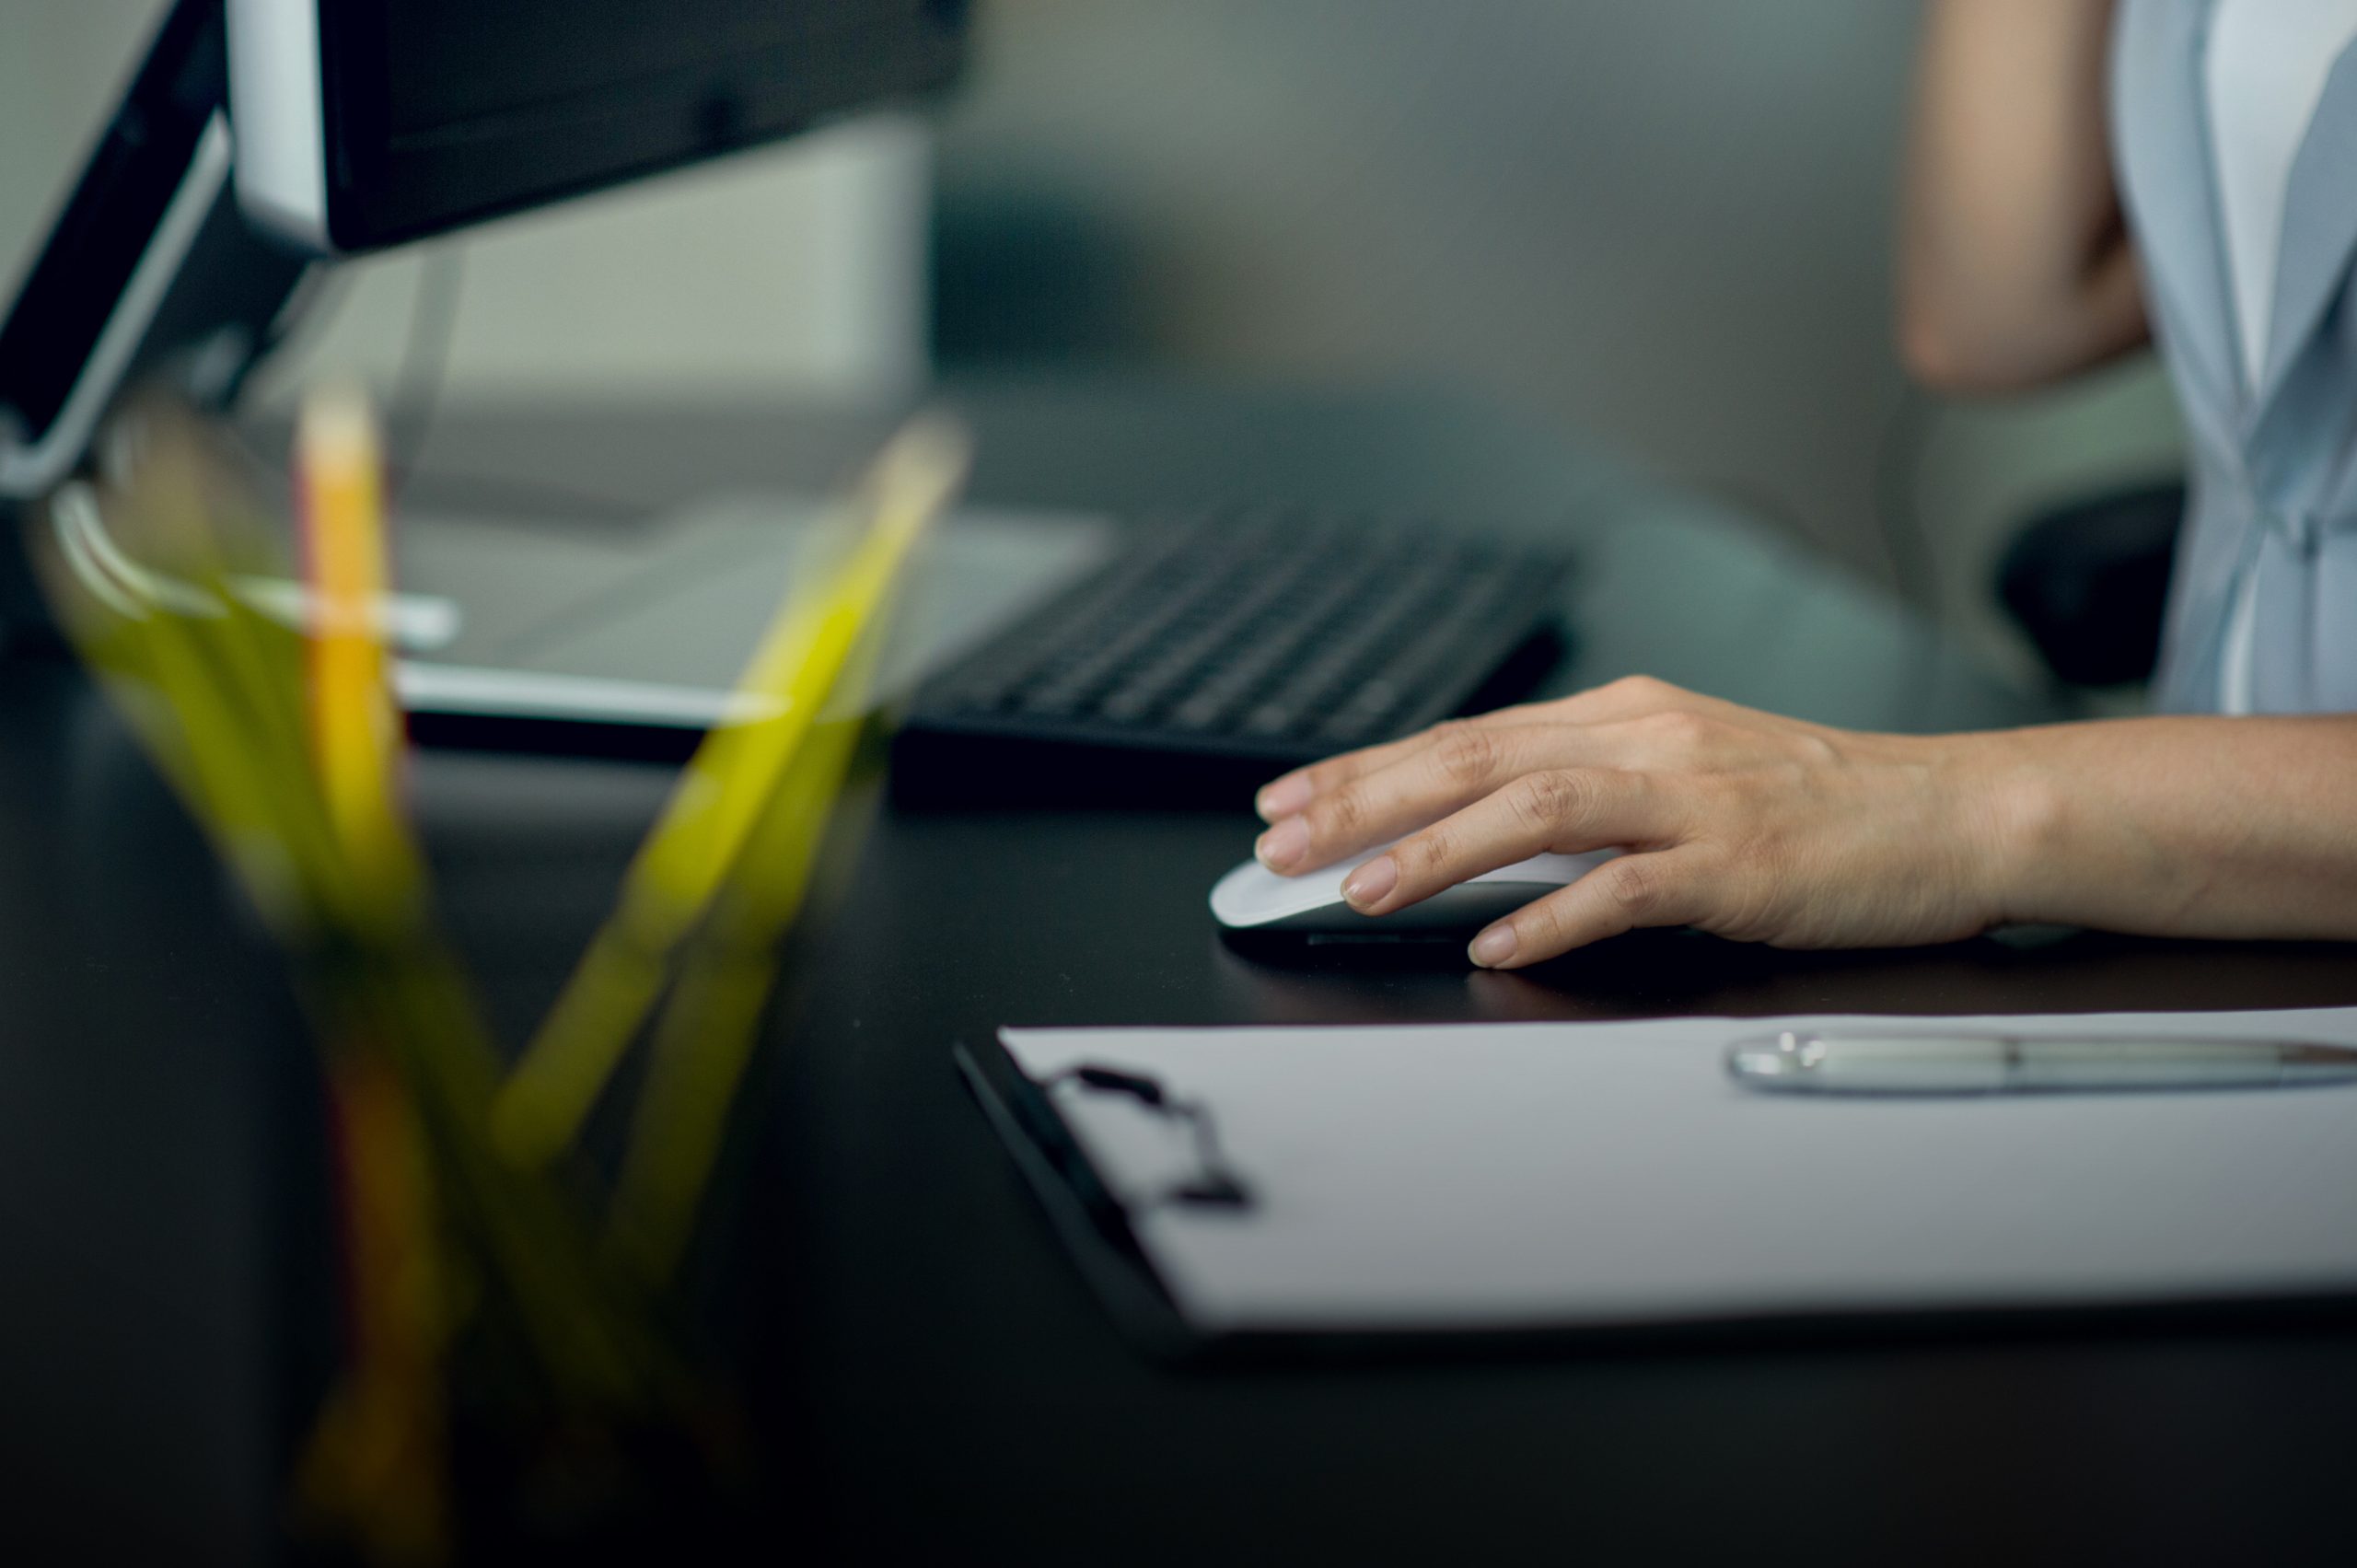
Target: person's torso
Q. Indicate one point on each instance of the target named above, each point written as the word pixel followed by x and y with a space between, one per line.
pixel 2235 135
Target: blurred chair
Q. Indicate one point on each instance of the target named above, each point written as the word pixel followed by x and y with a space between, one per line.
pixel 2086 581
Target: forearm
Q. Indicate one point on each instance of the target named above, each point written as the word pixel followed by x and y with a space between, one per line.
pixel 2182 826
pixel 2015 266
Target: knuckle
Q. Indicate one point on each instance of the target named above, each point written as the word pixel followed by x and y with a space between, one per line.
pixel 1634 890
pixel 1550 798
pixel 1641 688
pixel 1679 728
pixel 1431 739
pixel 1339 815
pixel 1469 754
pixel 1426 855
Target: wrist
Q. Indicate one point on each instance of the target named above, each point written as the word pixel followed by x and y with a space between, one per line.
pixel 2014 810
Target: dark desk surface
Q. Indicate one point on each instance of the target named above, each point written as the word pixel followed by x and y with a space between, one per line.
pixel 931 1373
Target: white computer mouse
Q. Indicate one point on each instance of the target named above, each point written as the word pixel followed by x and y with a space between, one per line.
pixel 1253 898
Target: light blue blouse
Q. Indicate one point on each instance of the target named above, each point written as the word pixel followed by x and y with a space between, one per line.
pixel 2272 466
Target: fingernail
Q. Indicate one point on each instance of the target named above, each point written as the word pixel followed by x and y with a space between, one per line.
pixel 1493 947
pixel 1283 798
pixel 1283 844
pixel 1370 882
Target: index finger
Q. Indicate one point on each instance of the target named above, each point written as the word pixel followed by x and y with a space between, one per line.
pixel 1285 795
pixel 1625 697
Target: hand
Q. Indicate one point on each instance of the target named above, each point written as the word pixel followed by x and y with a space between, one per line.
pixel 1755 827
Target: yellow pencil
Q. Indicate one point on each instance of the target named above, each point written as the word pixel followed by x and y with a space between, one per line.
pixel 721 799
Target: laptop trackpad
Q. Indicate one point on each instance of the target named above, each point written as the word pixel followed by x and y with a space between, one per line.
pixel 654 626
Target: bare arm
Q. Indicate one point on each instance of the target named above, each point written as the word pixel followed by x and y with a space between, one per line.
pixel 1769 829
pixel 2179 827
pixel 2014 267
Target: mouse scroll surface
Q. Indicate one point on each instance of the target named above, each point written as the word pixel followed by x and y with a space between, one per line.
pixel 1252 898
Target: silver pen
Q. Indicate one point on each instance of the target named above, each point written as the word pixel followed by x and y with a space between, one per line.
pixel 1983 1064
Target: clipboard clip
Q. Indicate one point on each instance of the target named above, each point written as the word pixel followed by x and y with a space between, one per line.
pixel 1215 1184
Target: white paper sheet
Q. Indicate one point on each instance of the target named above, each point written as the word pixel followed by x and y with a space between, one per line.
pixel 1497 1175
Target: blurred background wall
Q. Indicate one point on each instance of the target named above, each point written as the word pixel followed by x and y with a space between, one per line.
pixel 1665 224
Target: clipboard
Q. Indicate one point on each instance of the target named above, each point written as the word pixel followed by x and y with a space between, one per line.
pixel 1080 1200
pixel 1088 1219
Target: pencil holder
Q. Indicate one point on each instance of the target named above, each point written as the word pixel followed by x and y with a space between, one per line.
pixel 512 1373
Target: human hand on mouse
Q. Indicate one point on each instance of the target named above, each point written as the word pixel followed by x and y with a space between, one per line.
pixel 1740 822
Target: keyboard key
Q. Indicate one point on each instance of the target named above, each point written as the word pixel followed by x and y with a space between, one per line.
pixel 1203 712
pixel 1129 704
